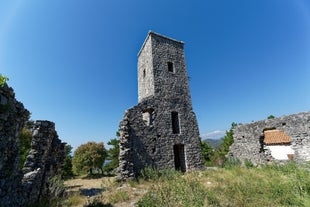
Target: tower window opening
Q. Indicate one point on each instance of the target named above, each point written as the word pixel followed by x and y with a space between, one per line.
pixel 175 122
pixel 144 73
pixel 170 67
pixel 147 116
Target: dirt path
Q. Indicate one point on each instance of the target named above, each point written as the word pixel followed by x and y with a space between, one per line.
pixel 83 191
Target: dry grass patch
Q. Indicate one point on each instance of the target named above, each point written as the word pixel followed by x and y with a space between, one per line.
pixel 81 191
pixel 112 193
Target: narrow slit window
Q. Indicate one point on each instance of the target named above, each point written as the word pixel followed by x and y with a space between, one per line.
pixel 144 73
pixel 175 123
pixel 170 67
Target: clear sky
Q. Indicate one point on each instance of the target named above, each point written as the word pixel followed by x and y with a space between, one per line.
pixel 74 62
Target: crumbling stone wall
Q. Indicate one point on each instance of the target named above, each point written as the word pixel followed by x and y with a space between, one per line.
pixel 162 130
pixel 43 162
pixel 248 138
pixel 13 116
pixel 23 187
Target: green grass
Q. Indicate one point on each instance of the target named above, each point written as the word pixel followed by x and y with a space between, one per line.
pixel 231 186
pixel 178 191
pixel 274 185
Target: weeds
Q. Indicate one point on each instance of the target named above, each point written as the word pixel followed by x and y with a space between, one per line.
pixel 96 202
pixel 150 173
pixel 119 196
pixel 232 162
pixel 275 185
pixel 248 163
pixel 270 185
pixel 177 191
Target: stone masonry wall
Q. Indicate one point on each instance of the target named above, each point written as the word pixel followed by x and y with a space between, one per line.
pixel 148 137
pixel 145 72
pixel 248 138
pixel 13 116
pixel 44 161
pixel 142 145
pixel 17 187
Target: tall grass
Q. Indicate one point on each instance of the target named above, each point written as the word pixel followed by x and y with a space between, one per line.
pixel 275 185
pixel 174 189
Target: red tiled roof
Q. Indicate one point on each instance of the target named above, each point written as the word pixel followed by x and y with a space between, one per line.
pixel 276 137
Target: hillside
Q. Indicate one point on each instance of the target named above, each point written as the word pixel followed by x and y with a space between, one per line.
pixel 214 143
pixel 272 185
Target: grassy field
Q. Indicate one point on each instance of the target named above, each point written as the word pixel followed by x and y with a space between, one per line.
pixel 271 185
pixel 276 185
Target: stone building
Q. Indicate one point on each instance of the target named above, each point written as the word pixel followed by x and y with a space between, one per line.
pixel 273 140
pixel 162 130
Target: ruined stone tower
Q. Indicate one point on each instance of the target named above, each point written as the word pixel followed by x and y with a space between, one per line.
pixel 162 130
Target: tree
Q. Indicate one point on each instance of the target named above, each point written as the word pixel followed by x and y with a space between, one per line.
pixel 88 156
pixel 227 141
pixel 67 167
pixel 271 117
pixel 207 152
pixel 113 154
pixel 217 156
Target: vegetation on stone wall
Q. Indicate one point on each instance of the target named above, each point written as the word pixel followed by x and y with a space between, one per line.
pixel 25 138
pixel 3 80
pixel 88 156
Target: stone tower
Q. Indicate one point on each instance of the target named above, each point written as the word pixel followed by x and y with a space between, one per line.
pixel 162 130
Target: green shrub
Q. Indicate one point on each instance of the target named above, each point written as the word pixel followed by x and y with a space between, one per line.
pixel 119 196
pixel 56 186
pixel 150 173
pixel 3 80
pixel 232 162
pixel 248 163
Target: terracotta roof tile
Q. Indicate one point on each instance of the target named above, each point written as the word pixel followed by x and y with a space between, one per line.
pixel 276 137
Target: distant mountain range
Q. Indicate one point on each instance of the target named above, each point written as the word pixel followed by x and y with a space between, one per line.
pixel 214 138
pixel 217 134
pixel 214 142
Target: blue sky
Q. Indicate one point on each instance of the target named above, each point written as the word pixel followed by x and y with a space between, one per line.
pixel 74 62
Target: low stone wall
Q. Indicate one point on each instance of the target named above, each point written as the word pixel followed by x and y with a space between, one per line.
pixel 248 138
pixel 23 187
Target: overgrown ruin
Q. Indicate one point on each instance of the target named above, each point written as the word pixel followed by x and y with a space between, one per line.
pixel 273 140
pixel 162 130
pixel 23 187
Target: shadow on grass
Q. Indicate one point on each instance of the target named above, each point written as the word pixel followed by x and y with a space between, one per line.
pixel 73 186
pixel 90 191
pixel 99 205
pixel 96 176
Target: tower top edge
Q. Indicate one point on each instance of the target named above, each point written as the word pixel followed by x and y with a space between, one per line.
pixel 151 33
